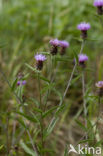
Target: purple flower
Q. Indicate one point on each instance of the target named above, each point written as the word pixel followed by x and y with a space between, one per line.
pixel 40 57
pixel 63 44
pixel 83 26
pixel 54 42
pixel 83 58
pixel 21 83
pixel 98 3
pixel 99 84
pixel 18 83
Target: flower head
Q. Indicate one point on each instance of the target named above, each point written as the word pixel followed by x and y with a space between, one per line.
pixel 21 83
pixel 83 58
pixel 40 57
pixel 18 83
pixel 99 84
pixel 54 42
pixel 84 26
pixel 98 3
pixel 63 44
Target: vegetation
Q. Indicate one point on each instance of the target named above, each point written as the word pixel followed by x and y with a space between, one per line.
pixel 38 118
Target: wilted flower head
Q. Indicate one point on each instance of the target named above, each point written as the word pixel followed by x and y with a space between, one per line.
pixel 99 5
pixel 40 59
pixel 84 27
pixel 54 43
pixel 21 83
pixel 99 84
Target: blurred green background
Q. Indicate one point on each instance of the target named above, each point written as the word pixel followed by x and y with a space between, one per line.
pixel 26 26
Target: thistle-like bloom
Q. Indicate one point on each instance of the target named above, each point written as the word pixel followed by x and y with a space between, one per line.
pixel 54 43
pixel 21 83
pixel 99 85
pixel 40 59
pixel 99 5
pixel 84 27
pixel 82 59
pixel 63 45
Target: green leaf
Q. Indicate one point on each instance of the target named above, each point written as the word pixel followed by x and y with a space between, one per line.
pixel 49 111
pixel 37 110
pixel 76 56
pixel 44 79
pixel 30 67
pixel 1 147
pixel 66 151
pixel 27 149
pixel 50 128
pixel 27 117
pixel 35 101
pixel 47 87
pixel 14 84
pixel 22 123
pixel 60 109
pixel 75 79
pixel 81 125
pixel 57 92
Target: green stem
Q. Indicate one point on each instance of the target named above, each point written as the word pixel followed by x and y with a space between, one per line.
pixel 84 101
pixel 41 115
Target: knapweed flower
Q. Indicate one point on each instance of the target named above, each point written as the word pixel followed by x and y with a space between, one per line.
pixel 54 43
pixel 63 45
pixel 21 83
pixel 84 27
pixel 40 59
pixel 99 5
pixel 82 58
pixel 99 85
